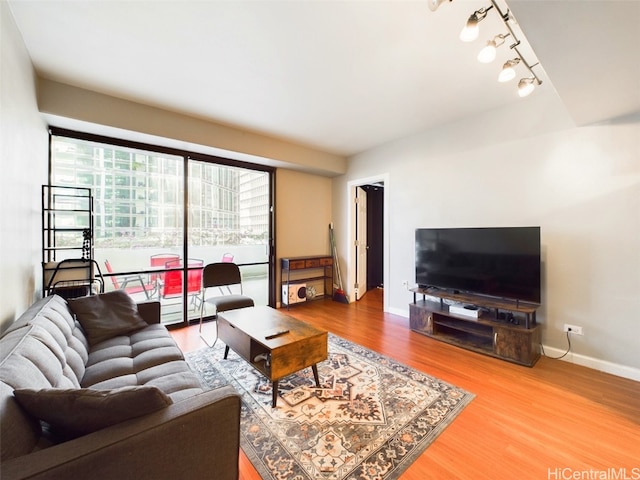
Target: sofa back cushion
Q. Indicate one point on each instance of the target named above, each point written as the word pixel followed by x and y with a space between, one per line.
pixel 44 348
pixel 64 335
pixel 107 315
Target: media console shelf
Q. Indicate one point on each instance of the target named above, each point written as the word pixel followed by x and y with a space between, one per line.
pixel 503 329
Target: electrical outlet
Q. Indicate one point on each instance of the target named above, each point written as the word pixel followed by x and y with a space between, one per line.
pixel 573 329
pixel 405 284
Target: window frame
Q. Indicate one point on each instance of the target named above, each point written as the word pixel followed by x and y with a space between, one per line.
pixel 186 157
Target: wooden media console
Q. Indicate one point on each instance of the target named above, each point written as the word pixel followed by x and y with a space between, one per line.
pixel 503 329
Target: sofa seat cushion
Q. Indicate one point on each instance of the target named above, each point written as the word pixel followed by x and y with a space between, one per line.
pixel 76 412
pixel 147 357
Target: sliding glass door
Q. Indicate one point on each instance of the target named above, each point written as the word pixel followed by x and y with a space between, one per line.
pixel 160 216
pixel 230 221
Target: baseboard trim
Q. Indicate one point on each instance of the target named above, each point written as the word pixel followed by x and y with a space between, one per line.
pixel 400 312
pixel 624 371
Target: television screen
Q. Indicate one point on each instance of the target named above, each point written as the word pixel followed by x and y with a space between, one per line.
pixel 500 262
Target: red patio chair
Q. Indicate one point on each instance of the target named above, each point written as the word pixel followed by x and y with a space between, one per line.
pixel 131 284
pixel 172 285
pixel 160 260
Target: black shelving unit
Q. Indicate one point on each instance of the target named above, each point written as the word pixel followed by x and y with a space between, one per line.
pixel 68 265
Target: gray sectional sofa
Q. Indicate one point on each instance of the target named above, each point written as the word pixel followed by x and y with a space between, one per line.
pixel 97 388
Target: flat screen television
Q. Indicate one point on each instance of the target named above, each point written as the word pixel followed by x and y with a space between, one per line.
pixel 501 262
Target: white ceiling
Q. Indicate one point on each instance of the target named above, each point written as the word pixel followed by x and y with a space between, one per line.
pixel 340 76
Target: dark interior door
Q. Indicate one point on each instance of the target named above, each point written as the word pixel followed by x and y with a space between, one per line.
pixel 375 228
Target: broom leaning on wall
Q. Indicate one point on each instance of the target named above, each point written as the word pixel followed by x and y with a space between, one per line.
pixel 339 294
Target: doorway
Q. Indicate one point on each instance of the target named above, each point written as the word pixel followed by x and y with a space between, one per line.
pixel 368 236
pixel 374 235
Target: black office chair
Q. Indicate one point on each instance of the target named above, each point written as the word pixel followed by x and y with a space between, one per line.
pixel 226 276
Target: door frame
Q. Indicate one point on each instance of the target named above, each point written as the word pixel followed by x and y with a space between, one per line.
pixel 351 236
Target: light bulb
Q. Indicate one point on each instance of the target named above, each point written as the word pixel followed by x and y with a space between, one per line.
pixel 508 72
pixel 526 86
pixel 488 53
pixel 469 34
pixel 471 30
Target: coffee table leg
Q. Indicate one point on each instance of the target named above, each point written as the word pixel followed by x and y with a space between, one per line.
pixel 314 367
pixel 274 393
pixel 226 351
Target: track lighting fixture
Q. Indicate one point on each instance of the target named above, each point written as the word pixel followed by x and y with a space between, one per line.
pixel 508 71
pixel 471 30
pixel 488 53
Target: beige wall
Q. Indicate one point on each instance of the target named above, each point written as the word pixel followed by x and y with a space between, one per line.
pixel 528 166
pixel 99 113
pixel 303 214
pixel 23 160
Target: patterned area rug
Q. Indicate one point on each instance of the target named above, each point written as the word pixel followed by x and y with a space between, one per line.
pixel 371 418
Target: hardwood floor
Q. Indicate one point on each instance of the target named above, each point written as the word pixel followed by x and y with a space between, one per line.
pixel 554 421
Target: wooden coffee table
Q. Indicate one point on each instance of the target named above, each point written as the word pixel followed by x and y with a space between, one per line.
pixel 245 330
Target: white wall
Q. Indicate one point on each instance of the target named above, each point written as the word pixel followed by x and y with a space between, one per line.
pixel 23 162
pixel 528 166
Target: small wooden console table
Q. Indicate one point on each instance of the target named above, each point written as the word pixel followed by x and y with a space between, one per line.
pixel 306 270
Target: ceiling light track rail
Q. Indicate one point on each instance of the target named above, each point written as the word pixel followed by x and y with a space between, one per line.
pixel 506 19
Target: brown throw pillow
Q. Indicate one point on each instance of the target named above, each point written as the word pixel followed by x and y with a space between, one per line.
pixel 75 412
pixel 107 315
